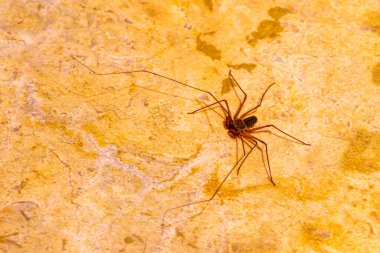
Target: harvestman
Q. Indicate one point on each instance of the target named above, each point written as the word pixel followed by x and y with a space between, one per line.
pixel 240 127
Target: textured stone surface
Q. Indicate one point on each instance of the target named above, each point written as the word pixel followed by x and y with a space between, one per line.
pixel 91 163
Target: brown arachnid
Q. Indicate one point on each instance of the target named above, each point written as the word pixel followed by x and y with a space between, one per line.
pixel 241 127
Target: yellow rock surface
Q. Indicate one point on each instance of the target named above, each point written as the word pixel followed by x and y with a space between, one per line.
pixel 92 163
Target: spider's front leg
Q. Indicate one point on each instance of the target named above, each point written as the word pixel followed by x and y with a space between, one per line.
pixel 226 110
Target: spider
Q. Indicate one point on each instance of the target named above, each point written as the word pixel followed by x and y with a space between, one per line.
pixel 240 126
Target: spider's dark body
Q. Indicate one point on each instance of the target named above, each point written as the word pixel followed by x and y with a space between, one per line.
pixel 237 126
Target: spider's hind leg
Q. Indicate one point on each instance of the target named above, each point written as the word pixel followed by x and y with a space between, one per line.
pixel 266 161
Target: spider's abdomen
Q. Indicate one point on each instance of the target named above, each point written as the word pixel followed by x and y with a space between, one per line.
pixel 250 121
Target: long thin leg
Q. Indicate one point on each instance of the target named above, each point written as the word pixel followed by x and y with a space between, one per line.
pixel 237 149
pixel 216 191
pixel 266 126
pixel 268 171
pixel 213 109
pixel 224 180
pixel 251 149
pixel 217 102
pixel 241 104
pixel 242 144
pixel 258 105
pixel 153 73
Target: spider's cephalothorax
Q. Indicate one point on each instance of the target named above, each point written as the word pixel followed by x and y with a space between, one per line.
pixel 237 126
